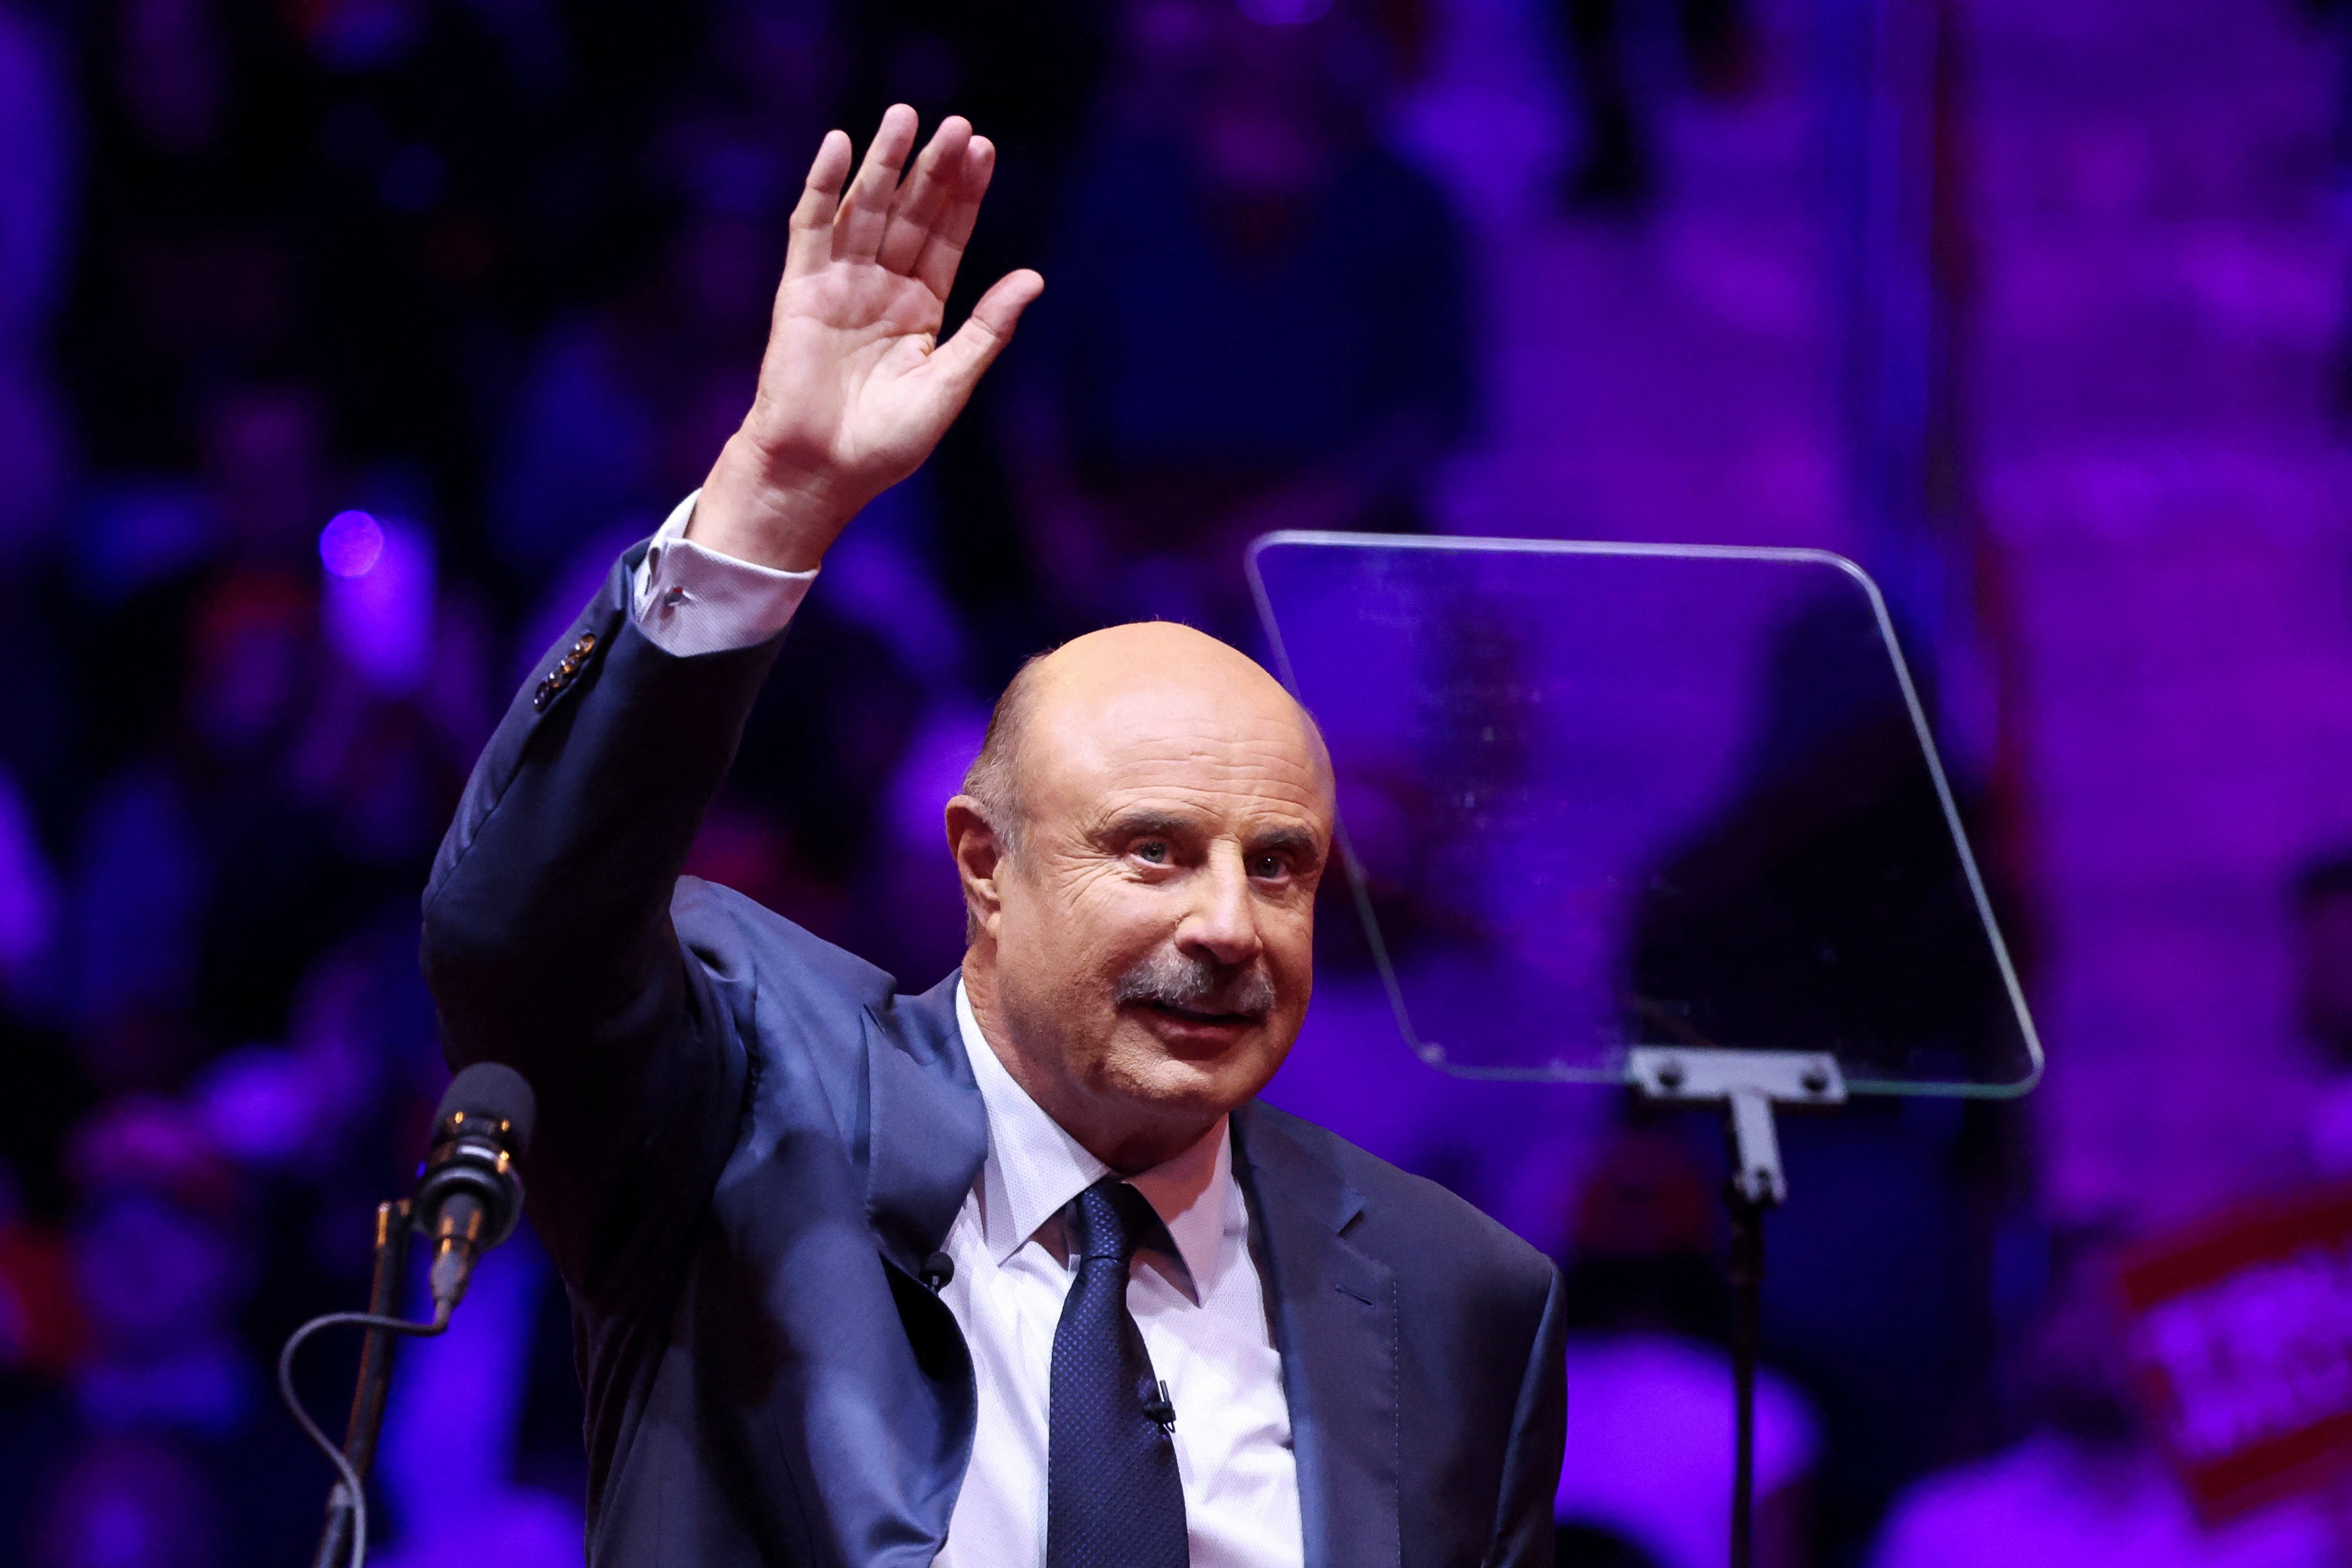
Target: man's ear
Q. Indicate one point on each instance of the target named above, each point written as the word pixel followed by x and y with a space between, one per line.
pixel 980 859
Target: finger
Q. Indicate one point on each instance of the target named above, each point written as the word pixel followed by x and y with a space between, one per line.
pixel 865 214
pixel 962 358
pixel 924 192
pixel 812 228
pixel 942 253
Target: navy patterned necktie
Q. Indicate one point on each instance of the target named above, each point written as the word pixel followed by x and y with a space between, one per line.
pixel 1112 1496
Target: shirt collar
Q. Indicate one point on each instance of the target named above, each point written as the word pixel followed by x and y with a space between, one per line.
pixel 1034 1168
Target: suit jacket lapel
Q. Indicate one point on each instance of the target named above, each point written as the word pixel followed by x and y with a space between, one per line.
pixel 1335 1322
pixel 927 1132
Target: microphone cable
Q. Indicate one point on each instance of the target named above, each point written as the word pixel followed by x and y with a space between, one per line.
pixel 348 1480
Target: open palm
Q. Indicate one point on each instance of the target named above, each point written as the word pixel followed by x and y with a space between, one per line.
pixel 856 388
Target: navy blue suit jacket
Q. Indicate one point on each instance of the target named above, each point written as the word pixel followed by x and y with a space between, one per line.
pixel 747 1143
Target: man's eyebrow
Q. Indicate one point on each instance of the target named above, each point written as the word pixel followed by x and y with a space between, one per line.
pixel 1295 842
pixel 1146 822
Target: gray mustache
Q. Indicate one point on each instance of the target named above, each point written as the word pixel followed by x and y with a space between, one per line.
pixel 1174 979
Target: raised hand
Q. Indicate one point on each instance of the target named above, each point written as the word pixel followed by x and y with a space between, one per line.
pixel 856 388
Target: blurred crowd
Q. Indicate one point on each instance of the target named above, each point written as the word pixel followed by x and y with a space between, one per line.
pixel 344 343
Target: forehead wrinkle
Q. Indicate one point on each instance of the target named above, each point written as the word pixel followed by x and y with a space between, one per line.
pixel 1210 809
pixel 1196 772
pixel 1191 763
pixel 1199 767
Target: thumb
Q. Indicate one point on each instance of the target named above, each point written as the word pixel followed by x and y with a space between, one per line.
pixel 976 343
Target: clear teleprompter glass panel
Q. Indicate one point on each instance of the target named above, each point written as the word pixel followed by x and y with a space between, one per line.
pixel 1600 796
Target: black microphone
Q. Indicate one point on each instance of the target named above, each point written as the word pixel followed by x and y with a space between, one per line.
pixel 468 1196
pixel 1159 1408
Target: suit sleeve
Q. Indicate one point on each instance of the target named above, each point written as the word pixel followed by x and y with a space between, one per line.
pixel 549 945
pixel 1523 1525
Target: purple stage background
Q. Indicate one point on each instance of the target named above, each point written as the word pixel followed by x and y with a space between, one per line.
pixel 344 343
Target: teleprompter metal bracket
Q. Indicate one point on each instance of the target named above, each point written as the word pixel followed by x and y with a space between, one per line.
pixel 1749 1084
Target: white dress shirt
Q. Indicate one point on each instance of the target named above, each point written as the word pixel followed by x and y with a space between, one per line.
pixel 1203 1314
pixel 690 599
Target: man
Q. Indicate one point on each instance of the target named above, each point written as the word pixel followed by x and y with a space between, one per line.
pixel 856 1277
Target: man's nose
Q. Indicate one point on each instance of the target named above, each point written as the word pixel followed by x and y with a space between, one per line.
pixel 1223 921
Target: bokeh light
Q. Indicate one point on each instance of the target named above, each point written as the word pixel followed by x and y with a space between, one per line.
pixel 351 544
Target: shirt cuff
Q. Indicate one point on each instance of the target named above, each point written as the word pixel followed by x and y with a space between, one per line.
pixel 690 599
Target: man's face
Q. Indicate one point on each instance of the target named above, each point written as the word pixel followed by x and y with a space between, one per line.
pixel 1153 944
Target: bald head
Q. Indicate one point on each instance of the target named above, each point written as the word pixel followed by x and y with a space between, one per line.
pixel 1089 674
pixel 1139 844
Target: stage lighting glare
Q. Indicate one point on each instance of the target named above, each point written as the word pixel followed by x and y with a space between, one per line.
pixel 351 544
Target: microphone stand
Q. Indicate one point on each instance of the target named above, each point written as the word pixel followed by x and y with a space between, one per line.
pixel 468 1192
pixel 1748 1085
pixel 366 1425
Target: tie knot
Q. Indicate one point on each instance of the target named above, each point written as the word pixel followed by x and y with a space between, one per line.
pixel 1110 1220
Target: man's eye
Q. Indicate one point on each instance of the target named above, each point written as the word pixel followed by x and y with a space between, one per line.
pixel 1266 866
pixel 1154 850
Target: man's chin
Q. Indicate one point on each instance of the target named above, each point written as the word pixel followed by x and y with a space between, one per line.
pixel 1179 1062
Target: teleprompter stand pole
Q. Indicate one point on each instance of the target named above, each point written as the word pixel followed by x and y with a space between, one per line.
pixel 1746 1313
pixel 392 1228
pixel 1748 1084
